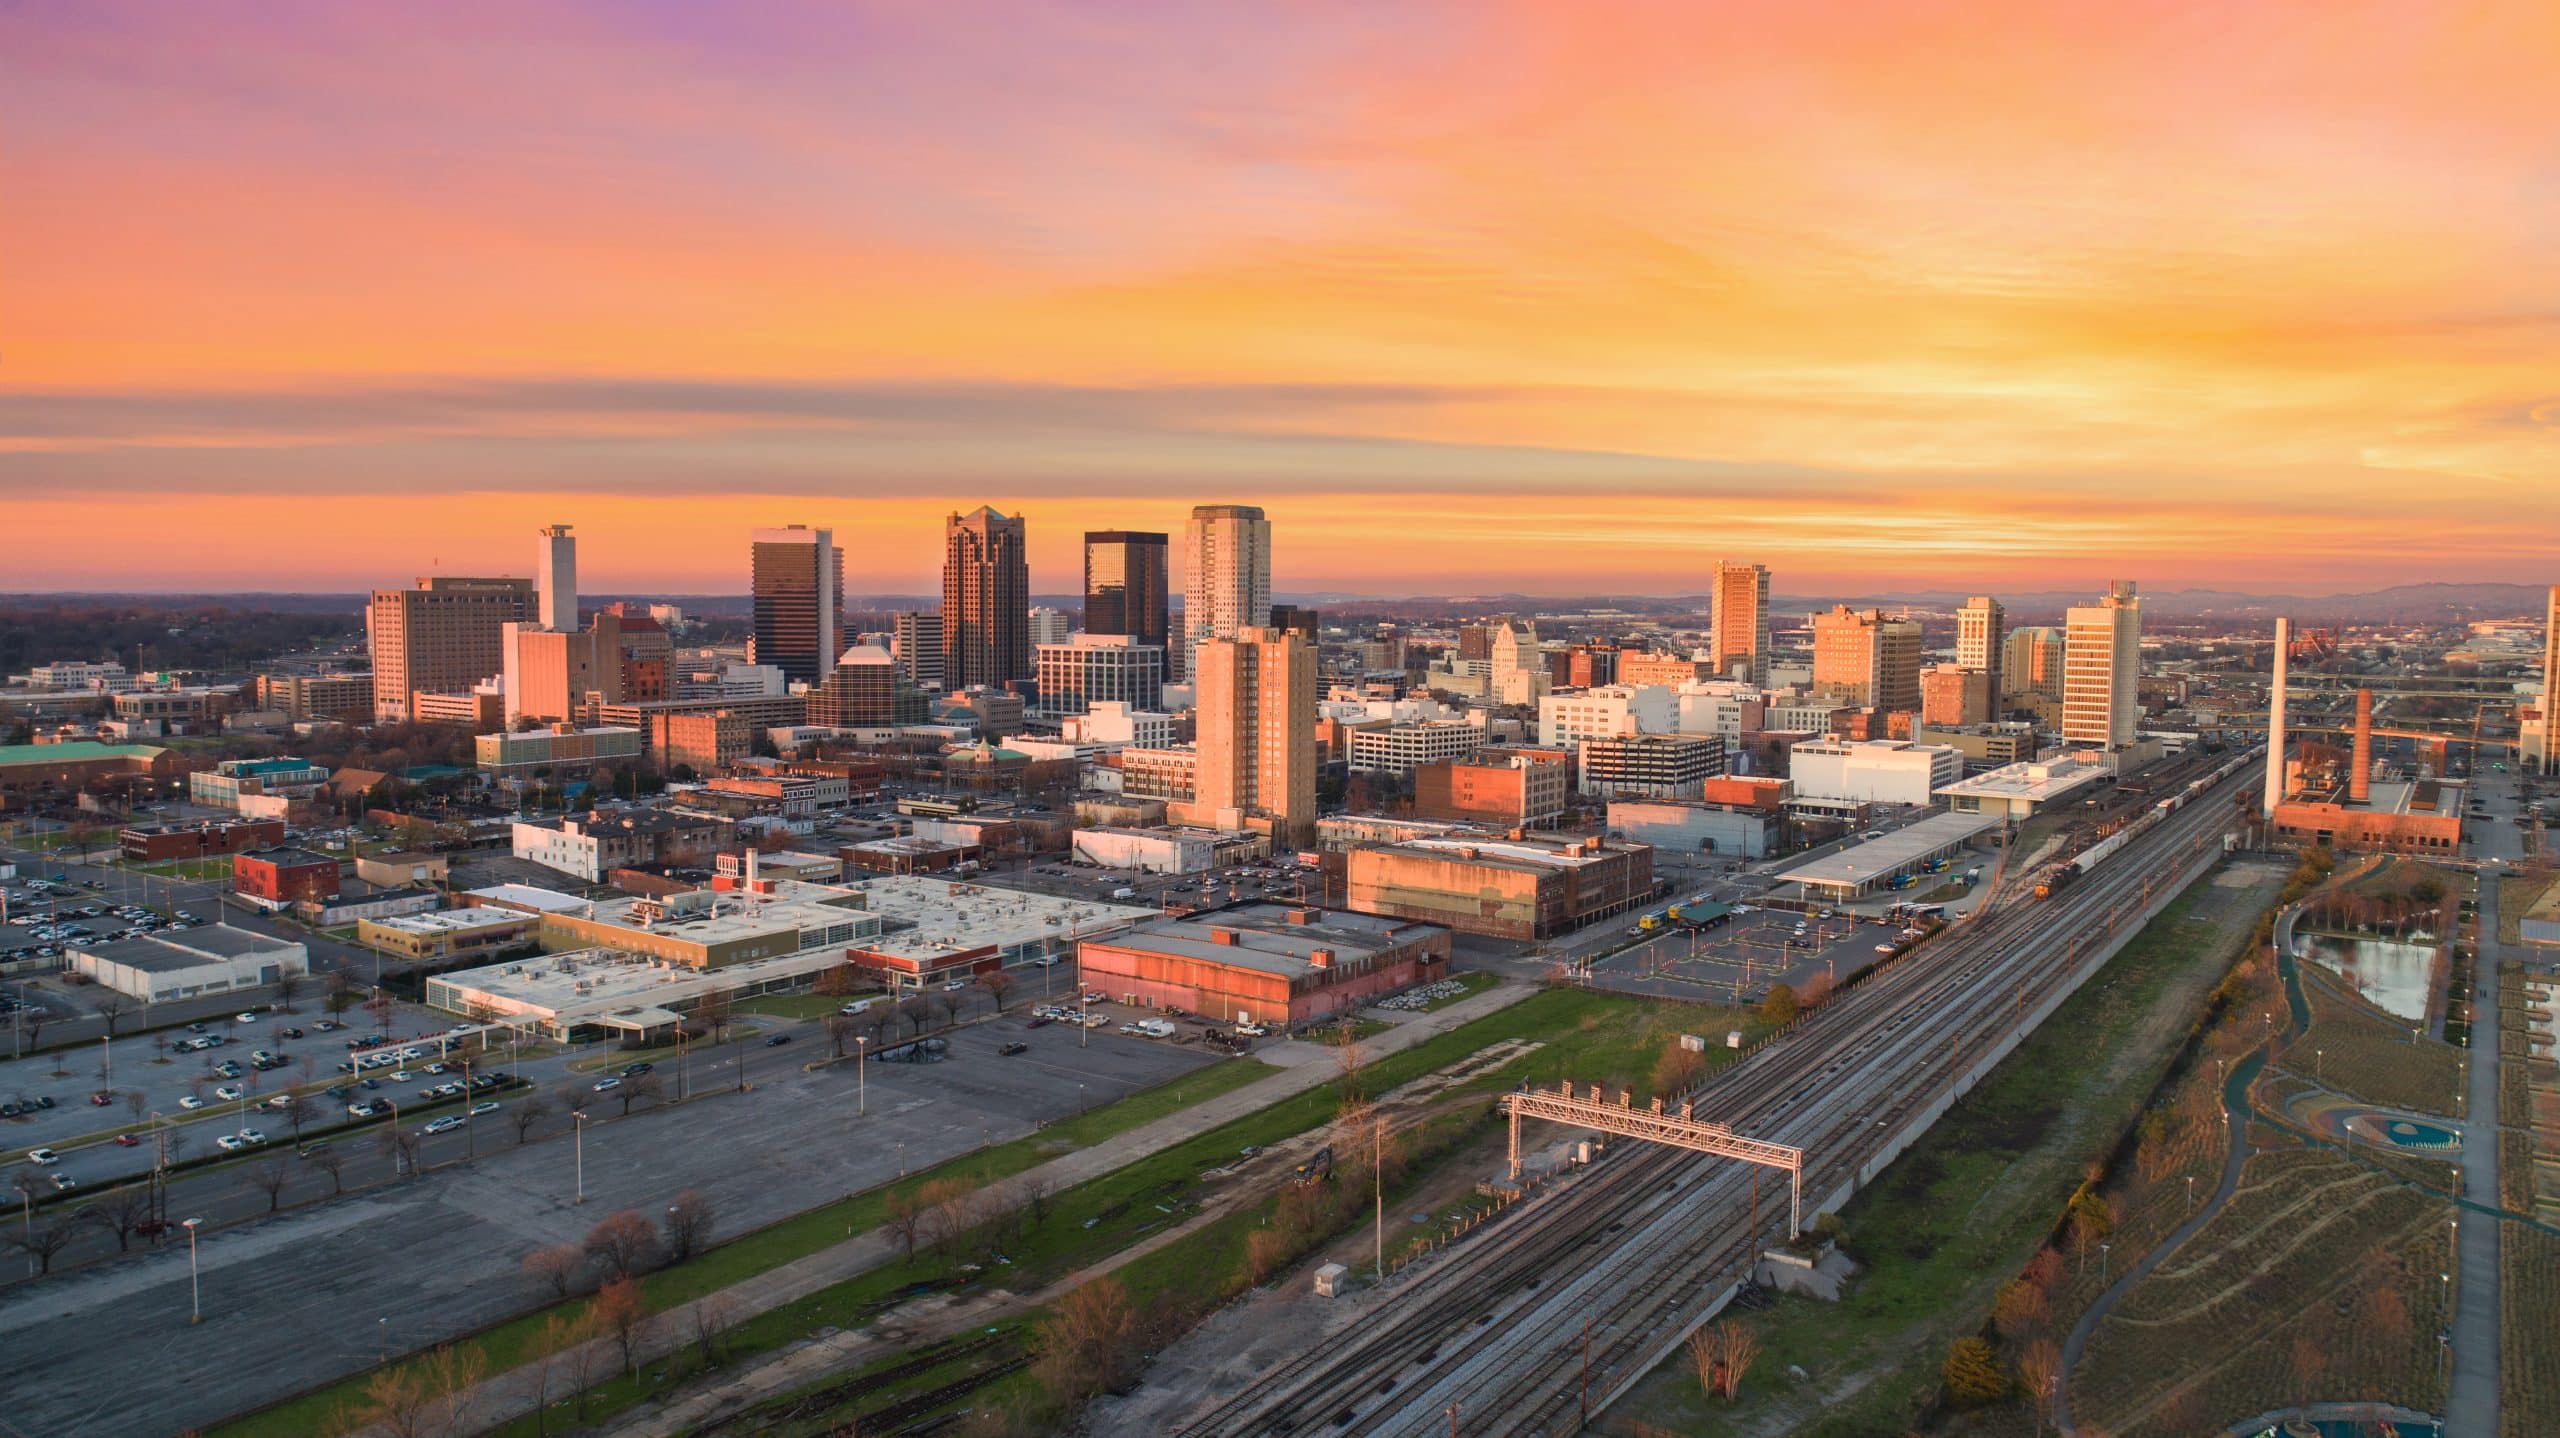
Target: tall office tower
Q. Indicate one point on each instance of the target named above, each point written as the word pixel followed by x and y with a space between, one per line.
pixel 1862 658
pixel 1125 589
pixel 1226 579
pixel 798 576
pixel 555 579
pixel 1256 731
pixel 1518 668
pixel 1738 639
pixel 2549 723
pixel 2102 668
pixel 1979 627
pixel 916 639
pixel 986 600
pixel 554 674
pixel 2031 662
pixel 1047 626
pixel 1307 624
pixel 440 638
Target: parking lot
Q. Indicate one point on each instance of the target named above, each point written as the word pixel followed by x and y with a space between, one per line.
pixel 314 1294
pixel 1738 960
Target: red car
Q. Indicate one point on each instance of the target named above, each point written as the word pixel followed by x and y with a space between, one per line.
pixel 126 1140
pixel 103 1097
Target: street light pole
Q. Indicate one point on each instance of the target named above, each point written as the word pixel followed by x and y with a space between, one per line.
pixel 861 1075
pixel 578 1120
pixel 195 1283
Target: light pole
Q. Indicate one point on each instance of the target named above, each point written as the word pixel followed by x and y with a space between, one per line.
pixel 578 1120
pixel 195 1283
pixel 861 1076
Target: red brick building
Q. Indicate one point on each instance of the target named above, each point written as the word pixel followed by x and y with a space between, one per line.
pixel 158 843
pixel 1273 963
pixel 284 876
pixel 1507 793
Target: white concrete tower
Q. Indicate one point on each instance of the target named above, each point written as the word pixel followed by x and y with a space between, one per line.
pixel 555 569
pixel 2275 719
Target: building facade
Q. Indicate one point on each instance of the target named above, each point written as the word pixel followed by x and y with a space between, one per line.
pixel 1226 580
pixel 867 690
pixel 915 641
pixel 442 637
pixel 1872 771
pixel 1738 641
pixel 1866 660
pixel 1126 586
pixel 2031 662
pixel 1399 749
pixel 797 577
pixel 1981 628
pixel 1516 791
pixel 1090 669
pixel 2102 669
pixel 1650 766
pixel 1532 887
pixel 1265 963
pixel 1255 733
pixel 986 600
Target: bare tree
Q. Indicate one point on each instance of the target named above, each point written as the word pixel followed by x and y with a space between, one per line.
pixel 330 1161
pixel 997 983
pixel 915 1011
pixel 623 1242
pixel 299 1110
pixel 120 1211
pixel 288 986
pixel 714 1013
pixel 424 1398
pixel 548 1363
pixel 1721 1353
pixel 839 1029
pixel 621 1316
pixel 688 1224
pixel 1037 1192
pixel 338 992
pixel 904 1211
pixel 137 1103
pixel 638 1087
pixel 529 1110
pixel 110 1006
pixel 2039 1373
pixel 400 1145
pixel 42 1241
pixel 1090 1343
pixel 555 1266
pixel 712 1316
pixel 269 1176
pixel 1348 1059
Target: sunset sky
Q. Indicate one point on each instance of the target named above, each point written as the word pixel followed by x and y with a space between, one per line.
pixel 1550 298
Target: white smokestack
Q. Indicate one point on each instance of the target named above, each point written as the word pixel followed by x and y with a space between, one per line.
pixel 2275 719
pixel 556 579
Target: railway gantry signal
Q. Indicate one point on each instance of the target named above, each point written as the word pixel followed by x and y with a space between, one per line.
pixel 1655 1125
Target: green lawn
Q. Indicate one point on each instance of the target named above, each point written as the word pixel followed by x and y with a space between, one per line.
pixel 1963 1208
pixel 793 1006
pixel 1476 982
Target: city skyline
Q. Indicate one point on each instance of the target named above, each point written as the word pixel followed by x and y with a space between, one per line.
pixel 2123 292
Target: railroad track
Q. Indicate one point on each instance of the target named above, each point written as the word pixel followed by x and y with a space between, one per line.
pixel 1645 1247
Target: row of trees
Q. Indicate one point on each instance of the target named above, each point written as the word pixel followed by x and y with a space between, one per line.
pixel 623 1245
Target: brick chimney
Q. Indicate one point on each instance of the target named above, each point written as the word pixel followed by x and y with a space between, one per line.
pixel 2360 777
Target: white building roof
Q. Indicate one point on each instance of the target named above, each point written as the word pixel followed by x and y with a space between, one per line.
pixel 2036 781
pixel 1895 853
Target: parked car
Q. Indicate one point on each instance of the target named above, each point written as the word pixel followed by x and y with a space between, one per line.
pixel 630 1070
pixel 446 1124
pixel 607 1084
pixel 777 1041
pixel 42 1156
pixel 485 1106
pixel 190 1101
pixel 1016 1047
pixel 230 1093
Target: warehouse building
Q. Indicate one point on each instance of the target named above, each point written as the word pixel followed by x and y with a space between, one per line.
pixel 1266 963
pixel 1532 886
pixel 189 963
pixel 1674 827
pixel 449 935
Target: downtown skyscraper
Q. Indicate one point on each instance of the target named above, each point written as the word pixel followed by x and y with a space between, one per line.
pixel 2102 669
pixel 1226 580
pixel 986 600
pixel 1126 591
pixel 798 582
pixel 1739 624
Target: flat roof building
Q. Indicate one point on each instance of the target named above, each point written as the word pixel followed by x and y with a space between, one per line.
pixel 1863 869
pixel 441 637
pixel 2018 790
pixel 190 963
pixel 1265 963
pixel 1872 771
pixel 1529 887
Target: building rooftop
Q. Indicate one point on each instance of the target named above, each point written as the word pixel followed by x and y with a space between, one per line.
pixel 451 921
pixel 929 917
pixel 2036 780
pixel 73 752
pixel 188 949
pixel 1895 852
pixel 1277 939
pixel 288 857
pixel 1532 852
pixel 528 896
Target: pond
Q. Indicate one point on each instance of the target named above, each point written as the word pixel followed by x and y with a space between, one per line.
pixel 2391 975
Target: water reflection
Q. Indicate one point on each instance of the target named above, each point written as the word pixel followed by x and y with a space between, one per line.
pixel 2391 975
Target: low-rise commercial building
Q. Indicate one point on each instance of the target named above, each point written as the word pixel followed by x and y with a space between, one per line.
pixel 27 768
pixel 1530 887
pixel 449 935
pixel 1153 851
pixel 1651 766
pixel 225 784
pixel 1399 749
pixel 1873 771
pixel 1694 828
pixel 587 845
pixel 405 869
pixel 283 876
pixel 936 931
pixel 191 963
pixel 160 843
pixel 2015 791
pixel 561 749
pixel 1265 963
pixel 341 909
pixel 907 854
pixel 1510 792
pixel 1874 866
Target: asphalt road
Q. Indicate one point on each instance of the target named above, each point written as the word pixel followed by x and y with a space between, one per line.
pixel 312 1295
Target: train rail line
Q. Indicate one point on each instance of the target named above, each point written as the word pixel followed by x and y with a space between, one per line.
pixel 1532 1326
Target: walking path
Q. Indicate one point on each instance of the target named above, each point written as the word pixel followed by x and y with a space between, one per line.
pixel 2472 1404
pixel 512 1394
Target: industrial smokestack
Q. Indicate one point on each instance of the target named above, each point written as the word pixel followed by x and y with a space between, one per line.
pixel 2275 720
pixel 2360 781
